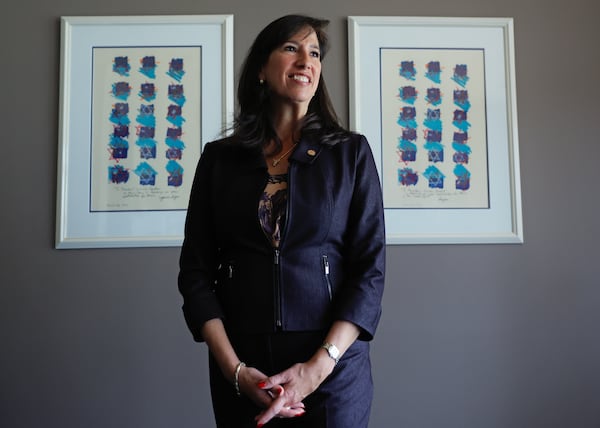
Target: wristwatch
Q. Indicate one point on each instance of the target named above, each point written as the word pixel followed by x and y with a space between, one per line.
pixel 332 351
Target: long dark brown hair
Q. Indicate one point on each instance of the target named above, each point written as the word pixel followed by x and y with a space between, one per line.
pixel 253 123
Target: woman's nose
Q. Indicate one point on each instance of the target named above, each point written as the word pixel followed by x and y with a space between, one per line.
pixel 303 60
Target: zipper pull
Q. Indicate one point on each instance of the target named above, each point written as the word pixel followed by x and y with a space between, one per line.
pixel 230 271
pixel 326 269
pixel 276 257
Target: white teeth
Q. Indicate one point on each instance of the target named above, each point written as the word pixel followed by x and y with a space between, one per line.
pixel 300 78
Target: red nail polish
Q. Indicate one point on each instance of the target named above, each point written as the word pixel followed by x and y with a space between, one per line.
pixel 262 384
pixel 259 425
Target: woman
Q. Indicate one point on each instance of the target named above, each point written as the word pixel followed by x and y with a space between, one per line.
pixel 282 266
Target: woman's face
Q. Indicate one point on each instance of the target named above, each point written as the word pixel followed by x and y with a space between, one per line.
pixel 293 70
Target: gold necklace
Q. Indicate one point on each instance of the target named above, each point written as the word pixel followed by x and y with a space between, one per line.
pixel 280 158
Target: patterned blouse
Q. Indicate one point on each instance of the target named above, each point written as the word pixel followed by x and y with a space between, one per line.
pixel 272 207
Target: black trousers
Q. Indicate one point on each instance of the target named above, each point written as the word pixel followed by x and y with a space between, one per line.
pixel 342 401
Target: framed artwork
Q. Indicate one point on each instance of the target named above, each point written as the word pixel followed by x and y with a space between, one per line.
pixel 436 99
pixel 139 97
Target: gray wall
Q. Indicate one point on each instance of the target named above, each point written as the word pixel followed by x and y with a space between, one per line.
pixel 95 338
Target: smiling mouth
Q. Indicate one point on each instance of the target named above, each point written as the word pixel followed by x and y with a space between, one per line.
pixel 300 78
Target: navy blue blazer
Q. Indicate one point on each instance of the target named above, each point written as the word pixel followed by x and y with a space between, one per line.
pixel 331 259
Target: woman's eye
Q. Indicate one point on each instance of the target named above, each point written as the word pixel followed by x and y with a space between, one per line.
pixel 290 48
pixel 316 54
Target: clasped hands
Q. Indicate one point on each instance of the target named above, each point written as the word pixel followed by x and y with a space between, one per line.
pixel 281 395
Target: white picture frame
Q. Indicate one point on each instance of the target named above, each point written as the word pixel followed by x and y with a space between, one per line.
pixel 93 210
pixel 495 215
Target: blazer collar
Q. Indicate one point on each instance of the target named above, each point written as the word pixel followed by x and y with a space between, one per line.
pixel 308 150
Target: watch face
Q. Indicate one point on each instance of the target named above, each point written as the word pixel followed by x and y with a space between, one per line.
pixel 332 350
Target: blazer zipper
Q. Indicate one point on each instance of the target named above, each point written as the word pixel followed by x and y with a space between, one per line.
pixel 277 289
pixel 277 256
pixel 276 274
pixel 327 279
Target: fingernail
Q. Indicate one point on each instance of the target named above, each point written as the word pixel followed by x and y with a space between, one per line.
pixel 259 425
pixel 262 384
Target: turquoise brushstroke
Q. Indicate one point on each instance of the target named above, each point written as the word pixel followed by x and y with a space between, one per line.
pixel 175 144
pixel 461 148
pixel 461 171
pixel 174 168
